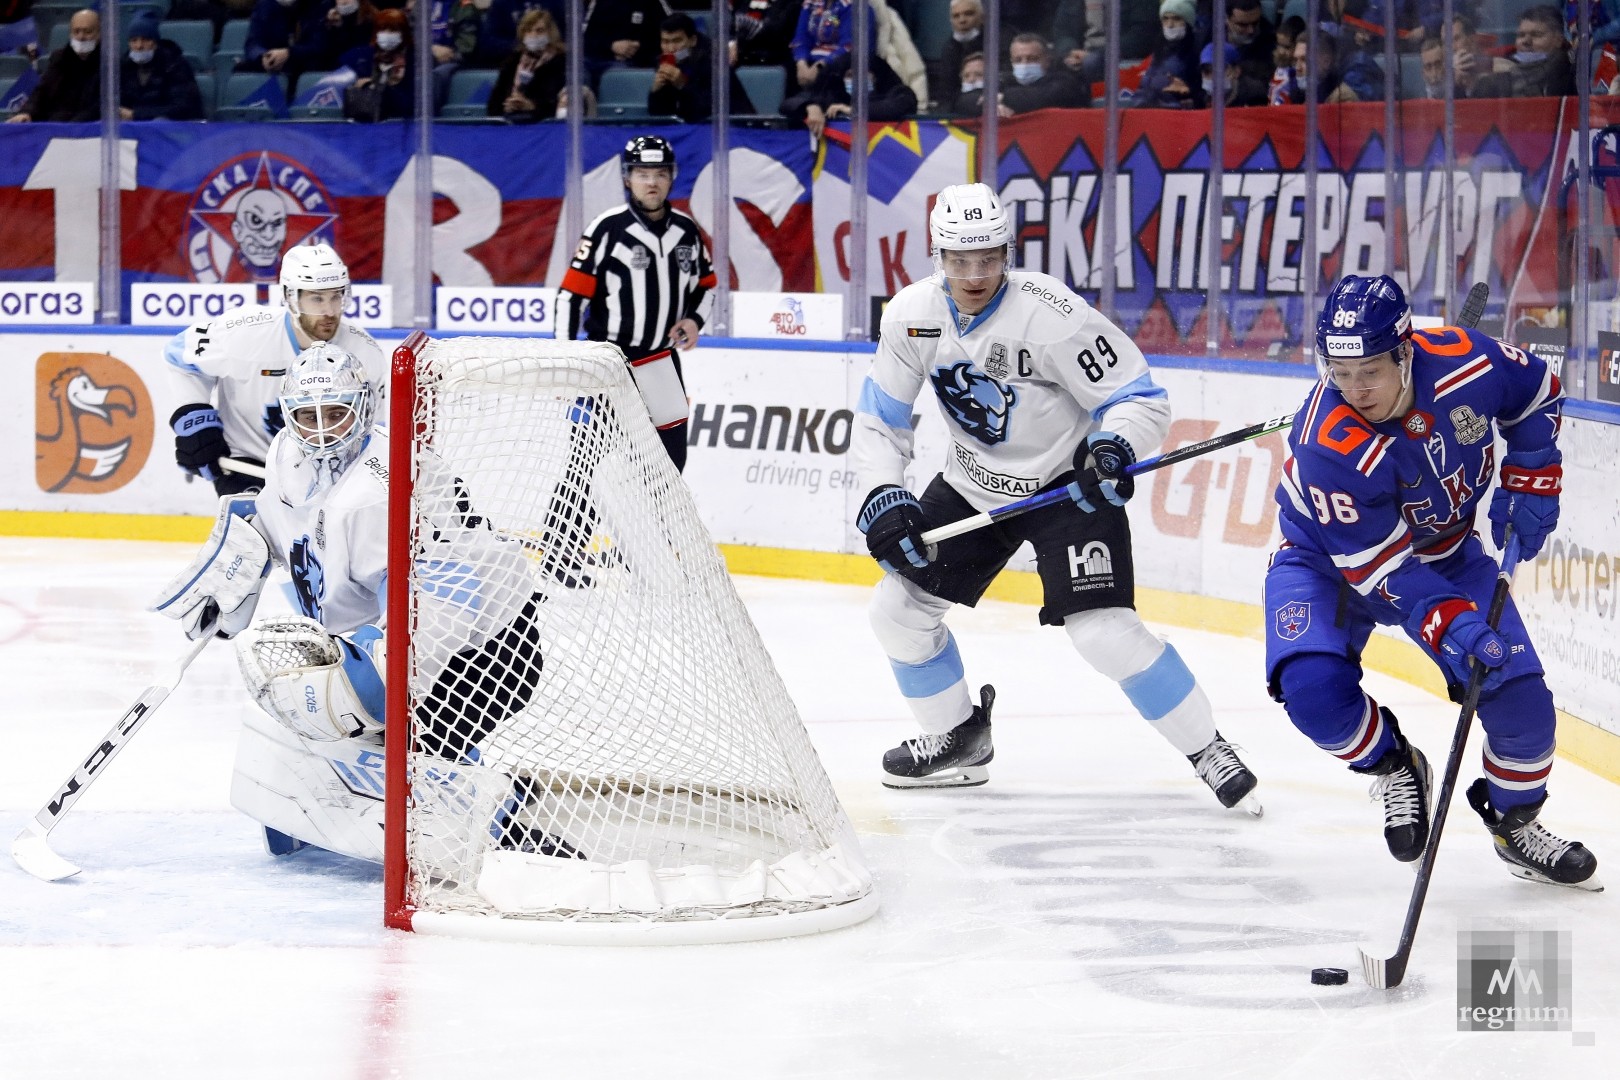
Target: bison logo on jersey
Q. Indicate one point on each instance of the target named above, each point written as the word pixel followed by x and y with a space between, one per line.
pixel 980 406
pixel 309 577
pixel 248 211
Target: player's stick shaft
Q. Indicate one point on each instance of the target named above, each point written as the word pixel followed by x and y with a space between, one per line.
pixel 31 849
pixel 1056 495
pixel 1385 974
pixel 246 468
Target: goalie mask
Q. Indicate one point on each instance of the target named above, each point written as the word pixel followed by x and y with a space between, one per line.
pixel 971 237
pixel 314 268
pixel 327 405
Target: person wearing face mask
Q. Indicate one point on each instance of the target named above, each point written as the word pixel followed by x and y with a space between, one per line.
pixel 683 81
pixel 286 37
pixel 1242 91
pixel 1171 80
pixel 1540 64
pixel 155 79
pixel 533 76
pixel 1031 81
pixel 1251 33
pixel 350 24
pixel 832 95
pixel 389 64
pixel 967 38
pixel 70 89
pixel 969 99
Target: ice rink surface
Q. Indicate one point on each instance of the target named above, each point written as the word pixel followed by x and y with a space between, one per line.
pixel 1092 912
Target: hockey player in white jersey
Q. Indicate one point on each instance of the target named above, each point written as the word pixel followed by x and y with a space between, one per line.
pixel 1038 391
pixel 230 369
pixel 310 769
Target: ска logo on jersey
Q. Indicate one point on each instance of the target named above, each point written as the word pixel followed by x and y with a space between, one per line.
pixel 248 211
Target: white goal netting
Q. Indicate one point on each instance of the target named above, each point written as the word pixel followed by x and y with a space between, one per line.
pixel 597 738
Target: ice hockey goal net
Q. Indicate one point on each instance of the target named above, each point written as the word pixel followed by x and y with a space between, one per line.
pixel 596 745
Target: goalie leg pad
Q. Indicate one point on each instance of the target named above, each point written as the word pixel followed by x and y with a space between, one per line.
pixel 225 578
pixel 319 686
pixel 332 801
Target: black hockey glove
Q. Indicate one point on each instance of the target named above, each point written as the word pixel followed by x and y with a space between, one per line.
pixel 1099 471
pixel 199 440
pixel 892 522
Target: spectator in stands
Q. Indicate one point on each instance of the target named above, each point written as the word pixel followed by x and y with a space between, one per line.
pixel 155 79
pixel 967 38
pixel 1539 66
pixel 1026 17
pixel 1171 80
pixel 1251 32
pixel 70 89
pixel 969 97
pixel 350 25
pixel 1080 30
pixel 683 81
pixel 831 96
pixel 762 33
pixel 497 27
pixel 286 36
pixel 1319 75
pixel 1242 89
pixel 18 33
pixel 1470 61
pixel 1358 72
pixel 824 35
pixel 621 33
pixel 1032 81
pixel 385 69
pixel 1283 87
pixel 532 80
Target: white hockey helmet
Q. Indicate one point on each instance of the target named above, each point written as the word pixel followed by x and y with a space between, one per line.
pixel 967 217
pixel 311 267
pixel 328 404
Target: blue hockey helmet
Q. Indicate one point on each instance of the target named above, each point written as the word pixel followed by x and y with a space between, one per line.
pixel 1362 317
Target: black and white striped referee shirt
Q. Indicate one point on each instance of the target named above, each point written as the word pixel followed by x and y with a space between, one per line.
pixel 632 279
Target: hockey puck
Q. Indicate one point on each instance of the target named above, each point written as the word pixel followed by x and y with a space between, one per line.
pixel 1329 976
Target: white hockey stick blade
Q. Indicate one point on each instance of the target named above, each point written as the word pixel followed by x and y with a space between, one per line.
pixel 1378 971
pixel 32 851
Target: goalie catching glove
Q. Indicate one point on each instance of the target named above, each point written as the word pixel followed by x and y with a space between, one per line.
pixel 1100 474
pixel 221 587
pixel 318 686
pixel 892 522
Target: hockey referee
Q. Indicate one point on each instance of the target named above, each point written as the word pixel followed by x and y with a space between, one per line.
pixel 640 279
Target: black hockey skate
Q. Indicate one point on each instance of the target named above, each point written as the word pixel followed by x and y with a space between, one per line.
pixel 1219 766
pixel 1530 851
pixel 954 759
pixel 1404 782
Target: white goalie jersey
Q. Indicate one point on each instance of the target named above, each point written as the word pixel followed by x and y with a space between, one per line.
pixel 237 362
pixel 333 540
pixel 1020 385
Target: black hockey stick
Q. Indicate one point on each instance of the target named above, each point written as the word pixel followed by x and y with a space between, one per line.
pixel 1057 495
pixel 1387 974
pixel 32 848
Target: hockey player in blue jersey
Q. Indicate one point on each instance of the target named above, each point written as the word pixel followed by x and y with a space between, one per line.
pixel 1388 460
pixel 1038 391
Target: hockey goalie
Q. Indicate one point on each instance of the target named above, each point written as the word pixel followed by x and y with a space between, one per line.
pixel 310 769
